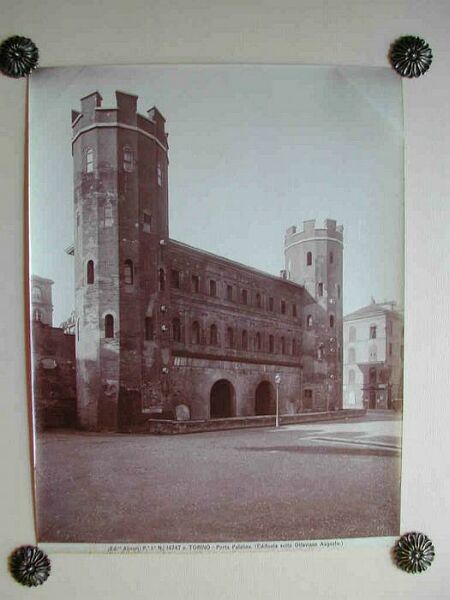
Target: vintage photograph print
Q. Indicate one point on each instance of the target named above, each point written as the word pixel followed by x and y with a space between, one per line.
pixel 216 302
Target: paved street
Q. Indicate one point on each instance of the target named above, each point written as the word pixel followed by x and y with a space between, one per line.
pixel 310 481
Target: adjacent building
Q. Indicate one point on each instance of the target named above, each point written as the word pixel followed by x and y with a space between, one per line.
pixel 53 361
pixel 373 357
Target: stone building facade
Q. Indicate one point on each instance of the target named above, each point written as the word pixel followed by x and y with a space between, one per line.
pixel 53 361
pixel 166 329
pixel 41 299
pixel 373 357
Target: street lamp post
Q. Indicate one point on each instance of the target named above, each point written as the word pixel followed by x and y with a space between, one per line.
pixel 277 412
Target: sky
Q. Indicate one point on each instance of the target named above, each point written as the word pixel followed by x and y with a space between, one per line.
pixel 253 150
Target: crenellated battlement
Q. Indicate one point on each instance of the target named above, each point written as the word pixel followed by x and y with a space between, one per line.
pixel 124 115
pixel 329 231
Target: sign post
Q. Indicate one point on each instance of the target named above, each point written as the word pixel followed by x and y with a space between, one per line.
pixel 277 411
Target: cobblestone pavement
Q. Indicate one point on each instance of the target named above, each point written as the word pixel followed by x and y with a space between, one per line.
pixel 311 481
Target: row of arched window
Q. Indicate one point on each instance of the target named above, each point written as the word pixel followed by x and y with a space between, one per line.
pixel 128 272
pixel 309 258
pixel 352 333
pixel 128 163
pixel 351 356
pixel 231 293
pixel 108 327
pixel 309 321
pixel 372 376
pixel 235 339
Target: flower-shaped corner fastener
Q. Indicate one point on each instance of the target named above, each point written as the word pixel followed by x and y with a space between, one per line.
pixel 18 56
pixel 414 552
pixel 29 565
pixel 410 56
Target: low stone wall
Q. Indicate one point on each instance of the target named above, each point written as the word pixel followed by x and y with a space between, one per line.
pixel 166 427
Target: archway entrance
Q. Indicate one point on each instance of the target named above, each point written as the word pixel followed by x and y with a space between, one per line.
pixel 265 399
pixel 372 399
pixel 221 400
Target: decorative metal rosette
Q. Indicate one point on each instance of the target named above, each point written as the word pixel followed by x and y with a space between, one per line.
pixel 18 56
pixel 414 552
pixel 410 56
pixel 29 565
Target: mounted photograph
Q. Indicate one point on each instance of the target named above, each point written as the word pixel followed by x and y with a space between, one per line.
pixel 216 267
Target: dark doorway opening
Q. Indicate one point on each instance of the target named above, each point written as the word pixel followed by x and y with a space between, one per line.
pixel 221 400
pixel 372 399
pixel 265 399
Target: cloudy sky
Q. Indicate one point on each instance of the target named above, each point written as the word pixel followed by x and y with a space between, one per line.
pixel 253 150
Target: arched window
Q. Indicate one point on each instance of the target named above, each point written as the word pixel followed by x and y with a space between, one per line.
pixel 89 160
pixel 338 291
pixel 213 340
pixel 320 352
pixel 195 283
pixel 90 271
pixel 294 347
pixel 372 375
pixel 195 332
pixel 128 274
pixel 159 174
pixel 229 337
pixel 352 334
pixel 283 307
pixel 373 332
pixel 175 276
pixel 373 353
pixel 309 321
pixel 271 344
pixel 351 377
pixel 109 326
pixel 271 304
pixel 212 288
pixel 148 328
pixel 36 294
pixel 244 340
pixel 147 222
pixel 37 315
pixel 294 310
pixel 351 356
pixel 244 296
pixel 308 259
pixel 176 329
pixel 283 346
pixel 331 258
pixel 258 341
pixel 128 159
pixel 258 300
pixel 331 321
pixel 108 218
pixel 162 280
pixel 320 289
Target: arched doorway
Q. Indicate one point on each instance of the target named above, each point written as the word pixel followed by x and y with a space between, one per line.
pixel 265 399
pixel 221 401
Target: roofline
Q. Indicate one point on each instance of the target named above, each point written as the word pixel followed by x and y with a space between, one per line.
pixel 43 279
pixel 235 263
pixel 350 317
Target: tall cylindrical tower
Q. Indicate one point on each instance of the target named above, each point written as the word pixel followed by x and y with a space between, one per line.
pixel 121 229
pixel 314 259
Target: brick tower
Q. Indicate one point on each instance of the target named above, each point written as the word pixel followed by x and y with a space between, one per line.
pixel 121 233
pixel 314 259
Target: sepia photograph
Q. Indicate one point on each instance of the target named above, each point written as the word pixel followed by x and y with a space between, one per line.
pixel 216 270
